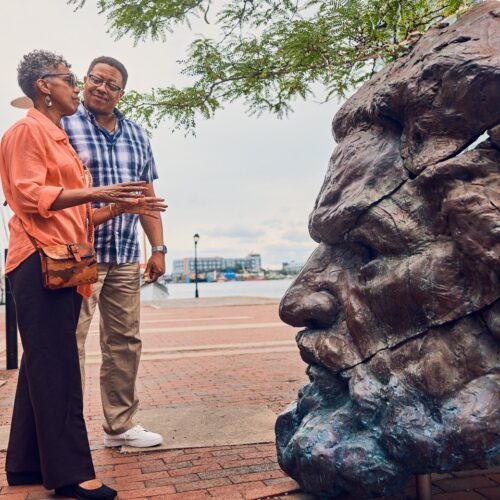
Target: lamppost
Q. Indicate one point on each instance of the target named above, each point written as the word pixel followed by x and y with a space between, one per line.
pixel 10 307
pixel 196 238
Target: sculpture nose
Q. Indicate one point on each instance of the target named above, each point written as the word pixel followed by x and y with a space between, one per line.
pixel 302 306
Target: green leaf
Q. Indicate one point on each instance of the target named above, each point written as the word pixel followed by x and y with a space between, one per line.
pixel 269 53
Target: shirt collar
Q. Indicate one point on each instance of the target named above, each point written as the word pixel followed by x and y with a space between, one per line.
pixel 54 131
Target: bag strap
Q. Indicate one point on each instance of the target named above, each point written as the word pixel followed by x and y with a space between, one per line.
pixel 33 240
pixel 89 229
pixel 89 225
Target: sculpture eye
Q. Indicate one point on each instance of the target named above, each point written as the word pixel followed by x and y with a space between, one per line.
pixel 371 253
pixel 363 249
pixel 364 243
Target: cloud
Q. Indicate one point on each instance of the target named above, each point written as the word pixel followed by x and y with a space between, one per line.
pixel 236 232
pixel 297 236
pixel 273 255
pixel 273 223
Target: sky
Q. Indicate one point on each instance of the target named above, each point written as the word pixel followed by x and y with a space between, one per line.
pixel 245 184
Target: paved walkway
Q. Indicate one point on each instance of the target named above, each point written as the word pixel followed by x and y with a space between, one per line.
pixel 218 353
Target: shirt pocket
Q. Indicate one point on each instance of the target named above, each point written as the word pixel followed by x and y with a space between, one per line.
pixel 129 159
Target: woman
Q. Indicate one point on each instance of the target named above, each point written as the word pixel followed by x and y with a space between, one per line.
pixel 46 186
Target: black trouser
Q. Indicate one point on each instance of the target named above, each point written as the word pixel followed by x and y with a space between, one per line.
pixel 48 432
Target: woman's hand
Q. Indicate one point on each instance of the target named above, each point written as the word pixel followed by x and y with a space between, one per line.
pixel 149 205
pixel 116 193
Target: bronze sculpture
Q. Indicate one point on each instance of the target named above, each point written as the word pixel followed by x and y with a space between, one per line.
pixel 401 298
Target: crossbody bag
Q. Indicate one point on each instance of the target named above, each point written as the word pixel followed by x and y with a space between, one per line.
pixel 67 264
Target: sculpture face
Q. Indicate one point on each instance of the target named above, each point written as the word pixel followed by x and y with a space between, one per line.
pixel 400 299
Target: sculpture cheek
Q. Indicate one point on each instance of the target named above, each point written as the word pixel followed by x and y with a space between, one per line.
pixel 437 373
pixel 472 417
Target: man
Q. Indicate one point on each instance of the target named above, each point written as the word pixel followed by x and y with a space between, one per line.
pixel 115 149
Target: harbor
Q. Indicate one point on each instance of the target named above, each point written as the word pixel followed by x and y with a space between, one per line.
pixel 267 288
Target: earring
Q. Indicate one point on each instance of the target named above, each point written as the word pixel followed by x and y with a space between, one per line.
pixel 48 100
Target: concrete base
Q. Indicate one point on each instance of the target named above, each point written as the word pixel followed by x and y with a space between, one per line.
pixel 201 426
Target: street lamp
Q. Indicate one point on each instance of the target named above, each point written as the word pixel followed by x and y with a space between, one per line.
pixel 10 307
pixel 196 238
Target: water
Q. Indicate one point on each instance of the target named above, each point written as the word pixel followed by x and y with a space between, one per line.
pixel 270 288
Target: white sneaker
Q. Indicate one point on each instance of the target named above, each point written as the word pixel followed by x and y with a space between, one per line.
pixel 137 437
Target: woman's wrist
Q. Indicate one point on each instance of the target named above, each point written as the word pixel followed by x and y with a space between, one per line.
pixel 114 210
pixel 90 195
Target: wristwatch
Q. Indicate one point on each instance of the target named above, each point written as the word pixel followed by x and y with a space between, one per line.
pixel 159 248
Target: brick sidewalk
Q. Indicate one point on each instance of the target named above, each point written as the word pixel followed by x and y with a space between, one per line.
pixel 215 356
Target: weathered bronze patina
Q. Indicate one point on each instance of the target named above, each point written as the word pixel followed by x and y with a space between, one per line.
pixel 401 298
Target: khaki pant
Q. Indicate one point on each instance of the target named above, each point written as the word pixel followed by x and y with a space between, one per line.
pixel 118 294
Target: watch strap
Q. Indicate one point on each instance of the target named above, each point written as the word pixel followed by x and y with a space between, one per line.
pixel 159 248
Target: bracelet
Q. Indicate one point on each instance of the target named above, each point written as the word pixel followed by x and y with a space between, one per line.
pixel 112 210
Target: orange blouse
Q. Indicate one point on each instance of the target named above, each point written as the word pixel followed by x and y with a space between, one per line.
pixel 36 163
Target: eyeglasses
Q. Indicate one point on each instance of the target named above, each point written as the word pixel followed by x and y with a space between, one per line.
pixel 95 80
pixel 69 78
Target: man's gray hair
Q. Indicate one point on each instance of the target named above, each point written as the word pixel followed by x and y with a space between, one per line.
pixel 33 66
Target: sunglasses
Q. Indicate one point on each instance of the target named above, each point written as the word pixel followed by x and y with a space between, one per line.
pixel 96 81
pixel 69 78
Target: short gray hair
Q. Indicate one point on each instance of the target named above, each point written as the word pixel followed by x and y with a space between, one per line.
pixel 33 66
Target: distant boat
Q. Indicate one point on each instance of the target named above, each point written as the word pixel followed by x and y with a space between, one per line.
pixel 254 278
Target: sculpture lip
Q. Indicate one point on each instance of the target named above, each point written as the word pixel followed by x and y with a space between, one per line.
pixel 317 328
pixel 318 324
pixel 305 330
pixel 310 325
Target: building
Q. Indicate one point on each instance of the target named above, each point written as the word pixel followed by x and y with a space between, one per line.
pixel 184 267
pixel 250 263
pixel 292 267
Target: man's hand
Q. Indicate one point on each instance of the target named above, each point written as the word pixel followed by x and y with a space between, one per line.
pixel 149 205
pixel 155 267
pixel 154 231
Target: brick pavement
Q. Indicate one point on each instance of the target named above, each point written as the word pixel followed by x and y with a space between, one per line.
pixel 180 368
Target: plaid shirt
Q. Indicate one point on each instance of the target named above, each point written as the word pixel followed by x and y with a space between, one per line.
pixel 112 158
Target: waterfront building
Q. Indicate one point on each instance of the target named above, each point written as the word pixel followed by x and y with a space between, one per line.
pixel 185 267
pixel 292 267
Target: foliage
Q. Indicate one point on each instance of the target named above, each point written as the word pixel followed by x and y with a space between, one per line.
pixel 269 52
